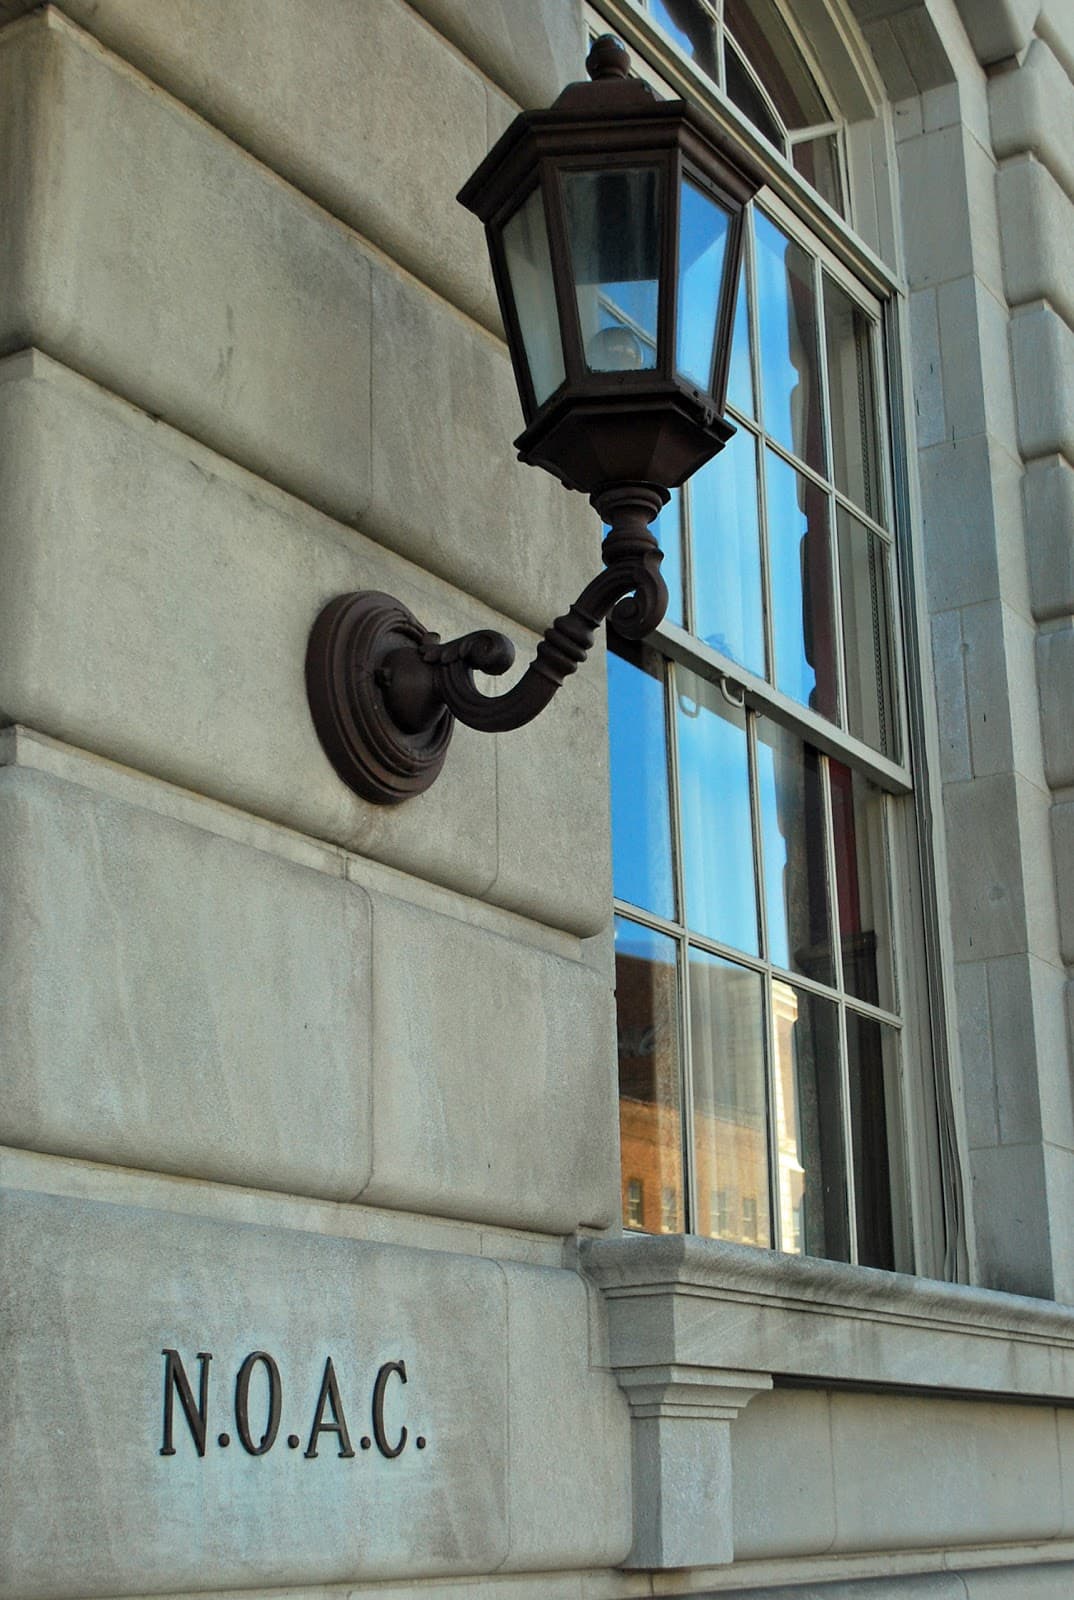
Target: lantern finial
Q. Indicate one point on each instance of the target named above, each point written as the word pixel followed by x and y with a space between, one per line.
pixel 607 59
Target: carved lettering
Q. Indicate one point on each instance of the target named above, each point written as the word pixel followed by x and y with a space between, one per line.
pixel 242 1403
pixel 176 1382
pixel 329 1396
pixel 378 1409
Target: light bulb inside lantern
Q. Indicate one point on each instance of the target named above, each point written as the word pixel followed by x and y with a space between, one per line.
pixel 614 349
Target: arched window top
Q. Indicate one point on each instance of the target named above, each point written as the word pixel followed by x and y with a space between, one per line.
pixel 752 51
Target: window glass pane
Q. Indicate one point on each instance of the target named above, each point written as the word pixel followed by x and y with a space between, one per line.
pixel 769 45
pixel 717 833
pixel 876 1132
pixel 790 368
pixel 819 163
pixel 795 857
pixel 728 612
pixel 867 644
pixel 667 527
pixel 641 821
pixel 861 875
pixel 740 374
pixel 613 221
pixel 809 1125
pixel 802 623
pixel 692 29
pixel 730 1139
pixel 852 391
pixel 703 229
pixel 650 1121
pixel 529 267
pixel 743 91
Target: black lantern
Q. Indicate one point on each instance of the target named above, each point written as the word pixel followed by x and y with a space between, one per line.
pixel 614 222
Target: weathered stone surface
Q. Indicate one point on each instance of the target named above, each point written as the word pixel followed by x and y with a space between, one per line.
pixel 210 582
pixel 531 51
pixel 1048 497
pixel 1037 218
pixel 1042 351
pixel 1031 108
pixel 998 28
pixel 1055 670
pixel 282 79
pixel 92 1506
pixel 781 1449
pixel 236 310
pixel 494 1095
pixel 175 1001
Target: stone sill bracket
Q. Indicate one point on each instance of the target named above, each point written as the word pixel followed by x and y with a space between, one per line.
pixel 681 1420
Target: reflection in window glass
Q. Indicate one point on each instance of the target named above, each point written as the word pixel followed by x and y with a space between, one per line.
pixel 641 818
pixel 740 373
pixel 717 831
pixel 852 392
pixel 790 367
pixel 819 162
pixel 650 1121
pixel 800 569
pixel 861 876
pixel 730 1139
pixel 529 267
pixel 809 1124
pixel 667 527
pixel 703 229
pixel 613 222
pixel 795 854
pixel 763 36
pixel 744 92
pixel 867 644
pixel 728 611
pixel 879 1192
pixel 692 29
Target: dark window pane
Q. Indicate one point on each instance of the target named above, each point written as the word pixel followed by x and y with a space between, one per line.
pixel 727 554
pixel 767 42
pixel 641 824
pixel 745 94
pixel 730 1139
pixel 795 857
pixel 717 833
pixel 692 29
pixel 861 875
pixel 876 1132
pixel 529 267
pixel 868 652
pixel 852 392
pixel 613 221
pixel 809 1125
pixel 802 621
pixel 790 365
pixel 818 162
pixel 740 374
pixel 650 1121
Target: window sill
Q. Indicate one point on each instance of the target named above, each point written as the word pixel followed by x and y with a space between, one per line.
pixel 702 1303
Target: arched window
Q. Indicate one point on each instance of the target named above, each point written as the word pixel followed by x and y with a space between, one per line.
pixel 767 879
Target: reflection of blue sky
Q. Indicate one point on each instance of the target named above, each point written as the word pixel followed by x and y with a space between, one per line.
pixel 644 944
pixel 668 530
pixel 740 377
pixel 774 846
pixel 703 229
pixel 641 827
pixel 727 554
pixel 788 358
pixel 787 528
pixel 721 899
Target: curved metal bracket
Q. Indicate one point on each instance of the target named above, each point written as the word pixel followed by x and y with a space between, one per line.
pixel 385 693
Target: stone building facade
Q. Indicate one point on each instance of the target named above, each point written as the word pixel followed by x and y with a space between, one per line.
pixel 315 1275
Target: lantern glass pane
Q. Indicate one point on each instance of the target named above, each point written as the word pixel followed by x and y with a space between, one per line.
pixel 613 222
pixel 529 267
pixel 703 230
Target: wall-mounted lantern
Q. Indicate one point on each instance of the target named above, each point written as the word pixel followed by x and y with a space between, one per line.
pixel 615 224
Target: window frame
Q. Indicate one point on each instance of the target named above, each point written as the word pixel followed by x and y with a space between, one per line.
pixel 923 975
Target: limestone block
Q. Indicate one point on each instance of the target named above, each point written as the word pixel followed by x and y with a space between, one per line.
pixel 1059 1179
pixel 1010 1212
pixel 961 562
pixel 1053 1580
pixel 935 208
pixel 531 51
pixel 1048 499
pixel 998 28
pixel 95 1508
pixel 988 914
pixel 1001 691
pixel 360 105
pixel 1032 1061
pixel 210 582
pixel 173 1000
pixel 495 1094
pixel 1063 839
pixel 783 1493
pixel 949 685
pixel 1037 217
pixel 1029 110
pixel 993 1472
pixel 1042 351
pixel 975 1053
pixel 1055 672
pixel 236 310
